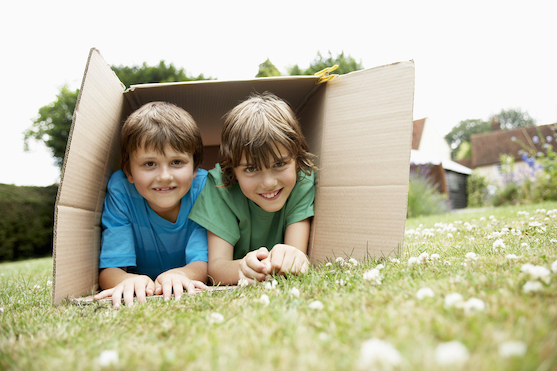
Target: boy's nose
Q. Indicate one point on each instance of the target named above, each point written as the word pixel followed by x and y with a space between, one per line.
pixel 164 174
pixel 269 181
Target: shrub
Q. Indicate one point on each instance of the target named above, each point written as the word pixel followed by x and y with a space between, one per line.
pixel 27 221
pixel 477 190
pixel 423 197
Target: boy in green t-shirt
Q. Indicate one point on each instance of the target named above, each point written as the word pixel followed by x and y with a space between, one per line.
pixel 259 196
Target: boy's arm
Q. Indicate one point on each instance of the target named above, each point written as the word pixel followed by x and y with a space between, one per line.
pixel 190 277
pixel 119 284
pixel 224 270
pixel 291 256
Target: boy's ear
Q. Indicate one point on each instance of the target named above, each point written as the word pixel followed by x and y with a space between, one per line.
pixel 129 176
pixel 194 172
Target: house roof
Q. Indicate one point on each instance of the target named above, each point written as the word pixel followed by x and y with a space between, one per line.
pixel 421 157
pixel 417 130
pixel 487 147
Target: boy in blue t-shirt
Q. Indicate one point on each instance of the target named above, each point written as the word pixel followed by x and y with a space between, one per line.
pixel 148 244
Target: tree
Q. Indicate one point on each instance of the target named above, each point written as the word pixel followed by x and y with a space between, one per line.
pixel 462 132
pixel 267 69
pixel 514 118
pixel 345 64
pixel 52 127
pixel 53 124
pixel 145 74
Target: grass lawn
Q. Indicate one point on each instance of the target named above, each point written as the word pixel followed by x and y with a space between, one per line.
pixel 461 297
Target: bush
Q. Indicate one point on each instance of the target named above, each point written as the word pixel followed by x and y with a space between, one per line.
pixel 27 221
pixel 423 197
pixel 477 190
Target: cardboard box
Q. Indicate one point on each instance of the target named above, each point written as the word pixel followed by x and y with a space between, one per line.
pixel 359 125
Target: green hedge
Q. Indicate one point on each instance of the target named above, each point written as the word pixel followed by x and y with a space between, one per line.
pixel 26 222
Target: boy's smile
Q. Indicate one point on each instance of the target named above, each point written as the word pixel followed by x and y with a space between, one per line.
pixel 269 188
pixel 162 179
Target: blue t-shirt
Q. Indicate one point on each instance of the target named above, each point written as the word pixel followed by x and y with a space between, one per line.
pixel 135 236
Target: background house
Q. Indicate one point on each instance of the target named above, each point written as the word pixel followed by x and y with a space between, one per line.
pixel 430 147
pixel 488 147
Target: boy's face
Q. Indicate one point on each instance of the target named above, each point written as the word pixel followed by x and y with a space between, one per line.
pixel 268 187
pixel 162 179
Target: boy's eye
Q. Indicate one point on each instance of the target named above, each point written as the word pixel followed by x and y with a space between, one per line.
pixel 280 164
pixel 177 162
pixel 150 164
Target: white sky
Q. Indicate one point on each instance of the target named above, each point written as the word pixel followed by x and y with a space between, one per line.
pixel 473 58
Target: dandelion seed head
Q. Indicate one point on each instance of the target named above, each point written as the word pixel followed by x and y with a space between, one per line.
pixel 316 305
pixel 425 292
pixel 512 349
pixel 452 352
pixel 378 354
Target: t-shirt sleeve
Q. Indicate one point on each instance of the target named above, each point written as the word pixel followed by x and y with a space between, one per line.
pixel 117 246
pixel 300 205
pixel 196 249
pixel 212 212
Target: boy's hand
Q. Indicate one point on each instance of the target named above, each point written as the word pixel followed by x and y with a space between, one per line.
pixel 175 281
pixel 138 285
pixel 286 258
pixel 252 268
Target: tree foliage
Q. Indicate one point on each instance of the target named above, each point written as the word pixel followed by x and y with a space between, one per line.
pixel 27 221
pixel 345 63
pixel 267 69
pixel 462 132
pixel 145 74
pixel 52 126
pixel 513 118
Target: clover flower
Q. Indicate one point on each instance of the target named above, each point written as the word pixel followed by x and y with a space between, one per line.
pixel 394 260
pixel 435 257
pixel 353 261
pixel 532 286
pixel 271 285
pixel 373 275
pixel 453 299
pixel 294 292
pixel 450 235
pixel 340 260
pixel 471 257
pixel 554 266
pixel 378 354
pixel 379 266
pixel 536 272
pixel 524 245
pixel 341 282
pixel 446 262
pixel 425 292
pixel 108 357
pixel 413 261
pixel 242 282
pixel 498 244
pixel 216 318
pixel 511 257
pixel 316 305
pixel 473 305
pixel 424 257
pixel 452 352
pixel 512 348
pixel 535 224
pixel 264 299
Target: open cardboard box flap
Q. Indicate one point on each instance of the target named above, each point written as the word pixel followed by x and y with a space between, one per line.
pixel 359 125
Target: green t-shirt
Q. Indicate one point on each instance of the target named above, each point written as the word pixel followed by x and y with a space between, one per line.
pixel 227 213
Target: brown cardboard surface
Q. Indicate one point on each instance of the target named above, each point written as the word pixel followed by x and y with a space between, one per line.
pixel 359 125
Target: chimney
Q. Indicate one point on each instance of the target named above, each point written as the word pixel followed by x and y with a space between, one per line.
pixel 495 124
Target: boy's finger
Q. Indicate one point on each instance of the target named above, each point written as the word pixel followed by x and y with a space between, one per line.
pixel 103 294
pixel 178 287
pixel 128 296
pixel 166 290
pixel 150 290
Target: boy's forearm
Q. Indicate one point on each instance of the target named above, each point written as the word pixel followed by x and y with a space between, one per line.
pixel 110 277
pixel 196 270
pixel 224 272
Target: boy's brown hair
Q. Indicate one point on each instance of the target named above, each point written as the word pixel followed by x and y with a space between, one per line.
pixel 255 127
pixel 156 124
